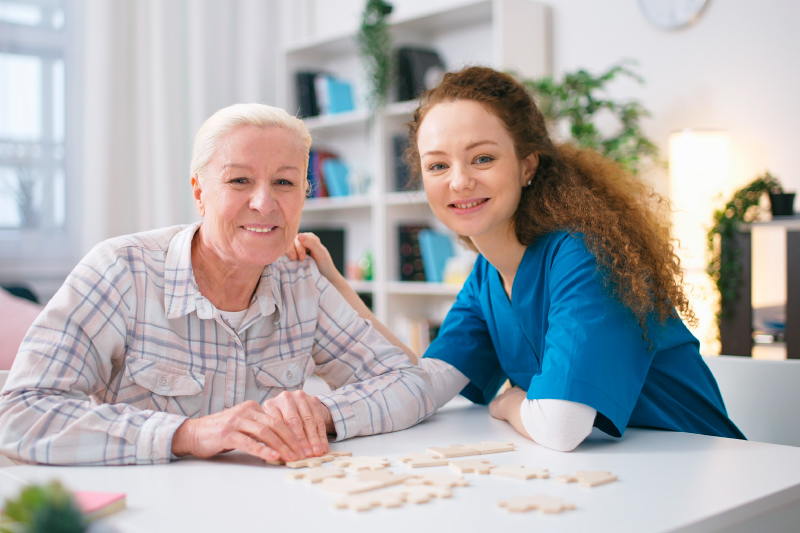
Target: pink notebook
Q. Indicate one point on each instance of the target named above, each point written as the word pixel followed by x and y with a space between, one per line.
pixel 98 504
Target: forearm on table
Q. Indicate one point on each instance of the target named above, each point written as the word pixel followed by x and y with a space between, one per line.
pixel 50 429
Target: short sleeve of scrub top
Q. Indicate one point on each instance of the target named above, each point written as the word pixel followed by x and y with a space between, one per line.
pixel 571 339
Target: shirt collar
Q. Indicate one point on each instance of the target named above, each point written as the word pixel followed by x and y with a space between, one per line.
pixel 182 295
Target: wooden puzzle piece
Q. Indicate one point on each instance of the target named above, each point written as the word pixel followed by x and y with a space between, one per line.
pixel 440 480
pixel 316 474
pixel 417 460
pixel 387 477
pixel 350 485
pixel 520 472
pixel 362 463
pixel 454 450
pixel 310 462
pixel 424 493
pixel 364 502
pixel 546 504
pixel 491 447
pixel 481 466
pixel 586 478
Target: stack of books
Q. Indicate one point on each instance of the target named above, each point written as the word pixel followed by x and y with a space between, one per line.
pixel 319 93
pixel 423 253
pixel 327 174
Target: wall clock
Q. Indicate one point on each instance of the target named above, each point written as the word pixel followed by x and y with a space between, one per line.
pixel 672 14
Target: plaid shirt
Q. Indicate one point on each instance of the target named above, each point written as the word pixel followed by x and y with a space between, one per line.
pixel 128 349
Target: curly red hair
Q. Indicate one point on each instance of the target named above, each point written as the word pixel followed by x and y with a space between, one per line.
pixel 623 222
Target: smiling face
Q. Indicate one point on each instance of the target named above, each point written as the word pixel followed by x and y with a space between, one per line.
pixel 251 196
pixel 470 170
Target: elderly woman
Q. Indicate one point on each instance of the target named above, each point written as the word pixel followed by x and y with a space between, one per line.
pixel 196 340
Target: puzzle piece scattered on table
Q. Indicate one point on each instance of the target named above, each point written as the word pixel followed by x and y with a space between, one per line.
pixel 387 477
pixel 439 480
pixel 546 504
pixel 586 478
pixel 350 485
pixel 491 447
pixel 312 462
pixel 364 502
pixel 424 493
pixel 417 460
pixel 362 463
pixel 481 466
pixel 454 450
pixel 463 450
pixel 520 472
pixel 316 474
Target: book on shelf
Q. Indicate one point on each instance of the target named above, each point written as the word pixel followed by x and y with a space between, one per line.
pixel 402 174
pixel 436 248
pixel 411 267
pixel 306 93
pixel 316 180
pixel 418 332
pixel 335 175
pixel 334 240
pixel 418 69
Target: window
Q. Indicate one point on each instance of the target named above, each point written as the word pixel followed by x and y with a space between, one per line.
pixel 36 157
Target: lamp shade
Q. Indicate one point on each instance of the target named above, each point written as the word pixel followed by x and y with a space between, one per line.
pixel 700 175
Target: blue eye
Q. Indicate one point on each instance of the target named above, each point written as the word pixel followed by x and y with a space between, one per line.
pixel 436 167
pixel 285 183
pixel 483 159
pixel 239 181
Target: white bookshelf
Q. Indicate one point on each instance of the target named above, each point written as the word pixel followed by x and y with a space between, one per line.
pixel 508 34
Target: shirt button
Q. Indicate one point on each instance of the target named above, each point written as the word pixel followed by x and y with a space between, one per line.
pixel 155 456
pixel 289 375
pixel 162 381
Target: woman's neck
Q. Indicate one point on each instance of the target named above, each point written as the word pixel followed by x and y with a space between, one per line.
pixel 229 289
pixel 504 254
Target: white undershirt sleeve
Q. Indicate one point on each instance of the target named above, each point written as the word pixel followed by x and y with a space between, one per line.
pixel 557 424
pixel 446 379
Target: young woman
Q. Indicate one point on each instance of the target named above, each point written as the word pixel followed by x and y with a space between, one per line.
pixel 576 294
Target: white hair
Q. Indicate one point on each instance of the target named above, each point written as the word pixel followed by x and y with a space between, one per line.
pixel 227 119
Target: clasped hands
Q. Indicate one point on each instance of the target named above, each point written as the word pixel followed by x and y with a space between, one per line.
pixel 291 426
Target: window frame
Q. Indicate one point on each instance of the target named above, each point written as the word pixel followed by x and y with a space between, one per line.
pixel 40 256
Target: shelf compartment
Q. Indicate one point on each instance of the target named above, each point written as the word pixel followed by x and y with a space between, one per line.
pixel 333 203
pixel 423 288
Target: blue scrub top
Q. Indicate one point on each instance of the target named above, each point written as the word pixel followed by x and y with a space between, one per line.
pixel 563 336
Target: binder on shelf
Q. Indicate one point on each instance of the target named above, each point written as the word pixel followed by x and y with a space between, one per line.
pixel 418 69
pixel 307 93
pixel 335 174
pixel 402 174
pixel 436 249
pixel 411 266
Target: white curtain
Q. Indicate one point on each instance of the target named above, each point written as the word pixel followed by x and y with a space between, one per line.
pixel 153 71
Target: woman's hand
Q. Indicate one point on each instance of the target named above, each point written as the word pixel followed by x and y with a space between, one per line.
pixel 291 426
pixel 308 243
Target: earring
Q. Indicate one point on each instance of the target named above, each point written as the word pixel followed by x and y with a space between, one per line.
pixel 529 183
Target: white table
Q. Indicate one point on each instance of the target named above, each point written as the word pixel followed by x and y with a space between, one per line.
pixel 667 482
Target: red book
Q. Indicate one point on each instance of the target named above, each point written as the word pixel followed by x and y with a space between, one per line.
pixel 98 504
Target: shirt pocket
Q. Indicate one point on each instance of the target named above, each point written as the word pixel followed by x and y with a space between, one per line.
pixel 172 390
pixel 286 374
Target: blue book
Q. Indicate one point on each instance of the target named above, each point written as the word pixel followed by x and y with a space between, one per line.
pixel 335 174
pixel 436 248
pixel 340 95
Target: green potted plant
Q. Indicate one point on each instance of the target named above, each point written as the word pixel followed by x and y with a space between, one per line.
pixel 723 265
pixel 580 100
pixel 42 509
pixel 375 49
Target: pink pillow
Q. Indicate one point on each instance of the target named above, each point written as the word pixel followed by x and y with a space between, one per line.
pixel 16 317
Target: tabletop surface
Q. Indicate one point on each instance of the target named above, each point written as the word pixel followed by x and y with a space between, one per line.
pixel 667 481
